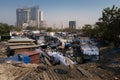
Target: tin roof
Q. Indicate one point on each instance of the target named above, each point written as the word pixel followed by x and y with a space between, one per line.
pixel 15 44
pixel 23 47
pixel 21 40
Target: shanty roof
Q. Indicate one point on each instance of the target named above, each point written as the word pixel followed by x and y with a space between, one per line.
pixel 23 47
pixel 21 40
pixel 15 44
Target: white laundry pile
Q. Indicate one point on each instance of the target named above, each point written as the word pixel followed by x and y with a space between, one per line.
pixel 59 57
pixel 90 50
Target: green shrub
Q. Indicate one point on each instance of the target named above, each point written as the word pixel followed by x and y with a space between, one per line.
pixel 5 37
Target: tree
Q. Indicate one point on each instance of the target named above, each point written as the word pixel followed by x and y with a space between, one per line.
pixel 4 29
pixel 31 28
pixel 49 29
pixel 88 30
pixel 14 28
pixel 109 24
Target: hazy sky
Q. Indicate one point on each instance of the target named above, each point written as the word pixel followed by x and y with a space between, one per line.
pixel 57 12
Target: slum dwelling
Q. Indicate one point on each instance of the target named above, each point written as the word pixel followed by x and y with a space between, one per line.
pixel 20 45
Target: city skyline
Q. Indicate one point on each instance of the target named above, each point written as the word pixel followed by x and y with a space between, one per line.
pixel 29 16
pixel 58 12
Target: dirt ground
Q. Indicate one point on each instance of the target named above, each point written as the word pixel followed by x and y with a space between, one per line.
pixel 108 68
pixel 3 46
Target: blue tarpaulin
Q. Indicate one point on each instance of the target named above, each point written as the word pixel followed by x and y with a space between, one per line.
pixel 67 44
pixel 20 57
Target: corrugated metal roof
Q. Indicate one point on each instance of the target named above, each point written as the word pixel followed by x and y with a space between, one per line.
pixel 23 47
pixel 14 44
pixel 21 40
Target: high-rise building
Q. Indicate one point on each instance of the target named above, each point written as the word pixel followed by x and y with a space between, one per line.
pixel 72 24
pixel 42 22
pixel 34 15
pixel 31 16
pixel 41 16
pixel 22 16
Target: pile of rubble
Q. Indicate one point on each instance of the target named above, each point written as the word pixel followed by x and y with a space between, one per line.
pixel 21 71
pixel 15 71
pixel 104 72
